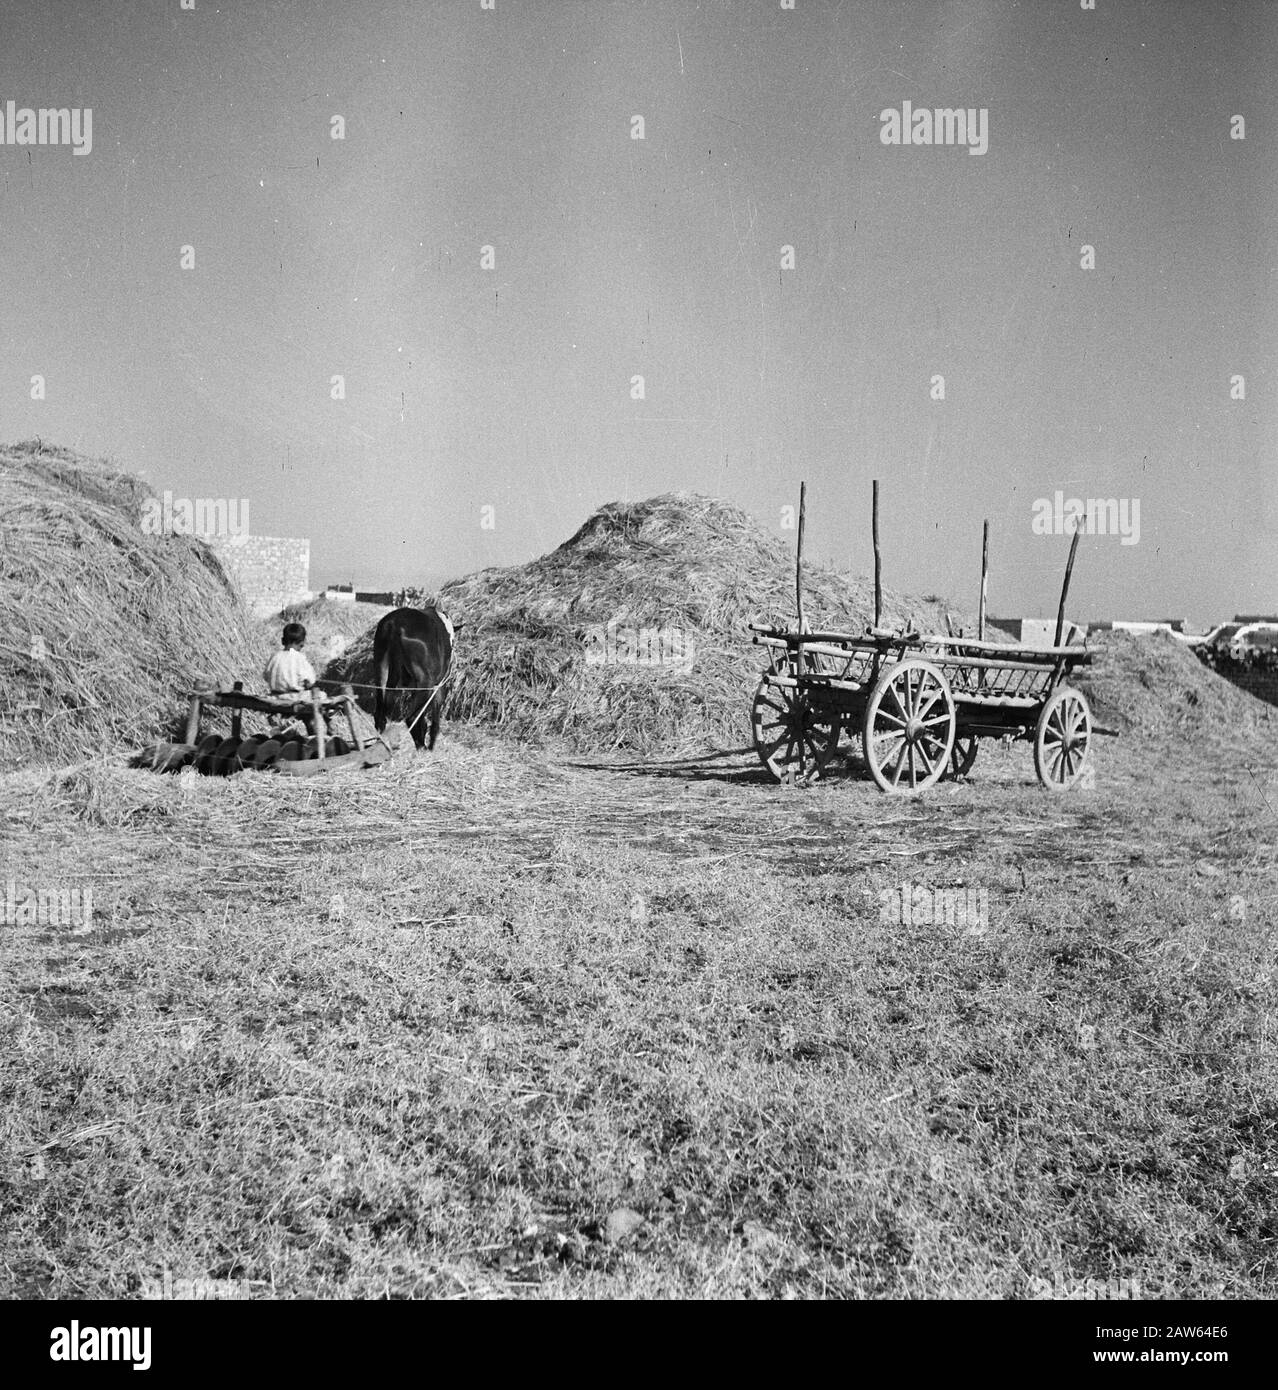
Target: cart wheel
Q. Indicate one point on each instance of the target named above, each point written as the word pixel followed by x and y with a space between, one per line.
pixel 1062 739
pixel 962 756
pixel 909 726
pixel 776 717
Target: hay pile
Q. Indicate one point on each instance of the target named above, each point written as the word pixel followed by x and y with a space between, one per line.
pixel 103 629
pixel 331 625
pixel 1154 686
pixel 678 560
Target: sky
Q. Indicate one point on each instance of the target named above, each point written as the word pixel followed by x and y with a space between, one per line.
pixel 489 409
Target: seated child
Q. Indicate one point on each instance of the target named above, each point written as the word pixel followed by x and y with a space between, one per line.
pixel 288 672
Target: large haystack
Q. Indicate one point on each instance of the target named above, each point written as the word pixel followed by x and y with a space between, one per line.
pixel 675 561
pixel 1154 686
pixel 103 628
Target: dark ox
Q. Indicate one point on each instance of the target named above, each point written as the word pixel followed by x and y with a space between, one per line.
pixel 413 650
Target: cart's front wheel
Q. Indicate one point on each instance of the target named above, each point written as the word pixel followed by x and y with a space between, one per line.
pixel 1062 739
pixel 789 732
pixel 909 726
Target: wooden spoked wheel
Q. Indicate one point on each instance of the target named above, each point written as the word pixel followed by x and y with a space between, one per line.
pixel 908 731
pixel 962 756
pixel 784 722
pixel 1062 739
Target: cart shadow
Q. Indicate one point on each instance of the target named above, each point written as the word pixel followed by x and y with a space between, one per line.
pixel 708 767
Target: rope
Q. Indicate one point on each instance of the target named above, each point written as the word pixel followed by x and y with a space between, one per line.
pixel 363 685
pixel 426 704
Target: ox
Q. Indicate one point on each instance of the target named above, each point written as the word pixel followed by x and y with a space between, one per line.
pixel 413 650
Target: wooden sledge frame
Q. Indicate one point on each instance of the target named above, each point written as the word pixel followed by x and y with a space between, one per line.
pixel 314 705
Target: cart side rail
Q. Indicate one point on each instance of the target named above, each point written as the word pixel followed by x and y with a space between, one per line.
pixel 770 634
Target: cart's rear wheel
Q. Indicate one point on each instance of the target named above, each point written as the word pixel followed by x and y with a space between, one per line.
pixel 962 756
pixel 784 722
pixel 1062 739
pixel 908 730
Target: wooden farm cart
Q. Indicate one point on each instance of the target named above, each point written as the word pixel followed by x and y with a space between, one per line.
pixel 292 753
pixel 919 703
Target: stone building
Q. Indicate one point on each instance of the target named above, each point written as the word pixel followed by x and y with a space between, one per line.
pixel 270 571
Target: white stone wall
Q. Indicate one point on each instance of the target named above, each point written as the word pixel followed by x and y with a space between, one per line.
pixel 270 571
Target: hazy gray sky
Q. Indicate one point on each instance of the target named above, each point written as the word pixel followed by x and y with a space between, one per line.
pixel 511 388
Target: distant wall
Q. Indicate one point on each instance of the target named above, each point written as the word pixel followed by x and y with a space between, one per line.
pixel 1140 627
pixel 269 571
pixel 1037 632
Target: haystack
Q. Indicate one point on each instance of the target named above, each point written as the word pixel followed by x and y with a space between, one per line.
pixel 1156 687
pixel 679 561
pixel 103 628
pixel 331 625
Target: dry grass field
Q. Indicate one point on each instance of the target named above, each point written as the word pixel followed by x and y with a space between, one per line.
pixel 538 1017
pixel 499 1022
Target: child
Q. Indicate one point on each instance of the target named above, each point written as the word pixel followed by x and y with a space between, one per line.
pixel 288 672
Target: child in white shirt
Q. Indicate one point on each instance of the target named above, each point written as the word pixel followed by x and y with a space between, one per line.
pixel 288 672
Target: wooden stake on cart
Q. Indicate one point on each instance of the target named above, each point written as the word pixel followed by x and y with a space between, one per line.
pixel 1069 569
pixel 985 580
pixel 878 561
pixel 798 554
pixel 798 599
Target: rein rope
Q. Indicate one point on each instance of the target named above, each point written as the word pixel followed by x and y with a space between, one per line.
pixel 430 700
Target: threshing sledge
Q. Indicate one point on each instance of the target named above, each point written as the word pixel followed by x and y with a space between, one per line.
pixel 920 703
pixel 295 753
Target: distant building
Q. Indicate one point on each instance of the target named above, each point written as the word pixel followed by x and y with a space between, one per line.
pixel 1038 632
pixel 270 572
pixel 1138 626
pixel 348 593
